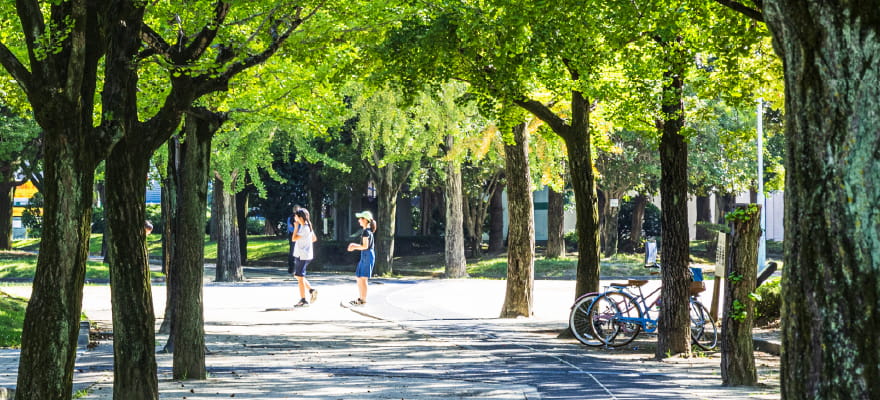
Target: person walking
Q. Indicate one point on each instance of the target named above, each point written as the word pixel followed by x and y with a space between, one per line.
pixel 368 257
pixel 303 236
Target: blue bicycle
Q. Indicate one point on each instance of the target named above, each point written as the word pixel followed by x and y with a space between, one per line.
pixel 619 314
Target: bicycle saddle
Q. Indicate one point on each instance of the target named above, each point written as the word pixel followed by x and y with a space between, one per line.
pixel 631 282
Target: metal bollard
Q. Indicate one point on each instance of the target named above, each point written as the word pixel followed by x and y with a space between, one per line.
pixel 83 339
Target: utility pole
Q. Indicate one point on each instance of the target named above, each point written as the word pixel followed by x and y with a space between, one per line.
pixel 762 241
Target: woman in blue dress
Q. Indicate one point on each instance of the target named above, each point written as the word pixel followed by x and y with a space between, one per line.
pixel 368 255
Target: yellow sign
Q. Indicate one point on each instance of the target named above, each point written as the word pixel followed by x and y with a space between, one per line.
pixel 16 211
pixel 25 190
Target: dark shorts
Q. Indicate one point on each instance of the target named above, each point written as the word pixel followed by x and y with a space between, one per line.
pixel 300 268
pixel 365 265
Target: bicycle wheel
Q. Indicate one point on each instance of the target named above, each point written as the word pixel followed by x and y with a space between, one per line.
pixel 704 329
pixel 616 318
pixel 579 320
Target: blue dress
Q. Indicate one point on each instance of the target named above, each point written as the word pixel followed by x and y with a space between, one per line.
pixel 368 257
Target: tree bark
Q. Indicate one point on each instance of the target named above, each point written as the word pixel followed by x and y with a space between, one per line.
pixel 171 197
pixel 63 102
pixel 426 207
pixel 704 214
pixel 7 193
pixel 134 361
pixel 496 221
pixel 830 317
pixel 519 296
pixel 555 225
pixel 187 268
pixel 609 228
pixel 638 220
pixel 673 326
pixel 586 206
pixel 576 136
pixel 228 254
pixel 213 229
pixel 51 324
pixel 241 210
pixel 386 217
pixel 316 198
pixel 737 350
pixel 456 264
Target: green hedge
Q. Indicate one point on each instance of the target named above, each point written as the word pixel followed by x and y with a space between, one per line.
pixel 769 308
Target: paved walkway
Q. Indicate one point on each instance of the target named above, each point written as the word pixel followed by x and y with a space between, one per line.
pixel 415 340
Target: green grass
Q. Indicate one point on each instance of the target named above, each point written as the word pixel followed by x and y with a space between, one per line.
pixel 259 248
pixel 561 268
pixel 11 320
pixel 16 264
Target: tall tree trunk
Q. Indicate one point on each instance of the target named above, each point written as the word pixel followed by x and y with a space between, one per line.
pixel 673 326
pixel 213 229
pixel 387 213
pixel 737 350
pixel 51 324
pixel 134 360
pixel 555 225
pixel 610 234
pixel 187 268
pixel 426 206
pixel 241 209
pixel 583 182
pixel 496 221
pixel 576 136
pixel 638 221
pixel 519 297
pixel 228 254
pixel 101 191
pixel 830 283
pixel 171 197
pixel 471 231
pixel 316 198
pixel 704 214
pixel 7 193
pixel 723 204
pixel 456 264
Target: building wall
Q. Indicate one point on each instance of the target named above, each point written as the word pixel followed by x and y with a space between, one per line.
pixel 774 204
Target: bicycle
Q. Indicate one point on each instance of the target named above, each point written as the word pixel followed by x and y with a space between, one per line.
pixel 579 320
pixel 618 315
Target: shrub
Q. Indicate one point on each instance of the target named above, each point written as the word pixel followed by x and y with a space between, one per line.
pixel 99 223
pixel 32 216
pixel 256 225
pixel 769 308
pixel 571 241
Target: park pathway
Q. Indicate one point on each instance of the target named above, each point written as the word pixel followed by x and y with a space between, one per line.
pixel 416 339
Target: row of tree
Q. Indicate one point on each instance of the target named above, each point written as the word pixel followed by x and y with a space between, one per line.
pixel 114 82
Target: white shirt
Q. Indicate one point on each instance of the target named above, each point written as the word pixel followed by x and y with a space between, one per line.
pixel 303 247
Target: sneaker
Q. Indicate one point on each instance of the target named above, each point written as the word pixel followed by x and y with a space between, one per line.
pixel 302 303
pixel 313 294
pixel 357 302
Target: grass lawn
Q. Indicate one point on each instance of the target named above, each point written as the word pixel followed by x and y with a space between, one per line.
pixel 17 264
pixel 11 320
pixel 561 268
pixel 259 247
